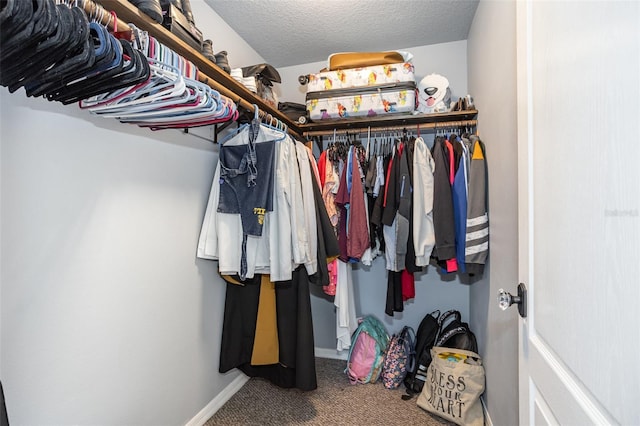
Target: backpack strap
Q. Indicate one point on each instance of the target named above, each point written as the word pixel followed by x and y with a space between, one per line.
pixel 409 337
pixel 451 333
pixel 445 319
pixel 442 319
pixel 354 338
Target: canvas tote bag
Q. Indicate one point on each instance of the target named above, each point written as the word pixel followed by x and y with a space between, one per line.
pixel 455 381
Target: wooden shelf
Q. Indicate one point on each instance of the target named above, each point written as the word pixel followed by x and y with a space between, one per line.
pixel 214 76
pixel 431 120
pixel 226 85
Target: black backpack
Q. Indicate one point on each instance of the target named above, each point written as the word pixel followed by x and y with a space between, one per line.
pixel 425 339
pixel 453 333
pixel 446 330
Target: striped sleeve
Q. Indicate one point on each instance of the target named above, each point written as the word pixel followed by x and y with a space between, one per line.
pixel 477 238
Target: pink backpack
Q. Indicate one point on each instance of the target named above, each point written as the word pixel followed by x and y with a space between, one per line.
pixel 366 355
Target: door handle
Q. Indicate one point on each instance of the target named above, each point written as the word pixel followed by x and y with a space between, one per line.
pixel 506 299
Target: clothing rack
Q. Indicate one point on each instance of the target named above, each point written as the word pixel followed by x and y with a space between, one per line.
pixel 393 122
pixel 208 73
pixel 417 126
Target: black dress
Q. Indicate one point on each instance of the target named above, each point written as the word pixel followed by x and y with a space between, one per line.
pixel 296 368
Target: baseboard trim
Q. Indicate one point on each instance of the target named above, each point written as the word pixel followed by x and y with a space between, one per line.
pixel 216 403
pixel 487 417
pixel 331 353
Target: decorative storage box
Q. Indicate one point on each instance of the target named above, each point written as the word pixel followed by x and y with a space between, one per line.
pixel 361 92
pixel 361 77
pixel 362 102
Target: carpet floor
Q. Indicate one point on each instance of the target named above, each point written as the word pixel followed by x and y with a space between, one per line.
pixel 334 402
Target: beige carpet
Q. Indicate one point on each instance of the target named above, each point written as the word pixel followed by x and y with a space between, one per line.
pixel 335 402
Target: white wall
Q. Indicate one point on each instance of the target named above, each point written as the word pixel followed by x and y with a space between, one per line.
pixel 433 291
pixel 106 315
pixel 492 82
pixel 213 27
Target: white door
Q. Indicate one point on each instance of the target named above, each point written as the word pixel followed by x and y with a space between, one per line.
pixel 579 211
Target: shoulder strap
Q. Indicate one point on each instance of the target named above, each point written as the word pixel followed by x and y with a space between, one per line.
pixel 444 317
pixel 353 341
pixel 409 337
pixel 426 325
pixel 451 333
pixel 449 317
pixel 412 334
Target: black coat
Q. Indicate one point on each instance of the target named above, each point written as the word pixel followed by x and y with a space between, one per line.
pixel 443 223
pixel 296 367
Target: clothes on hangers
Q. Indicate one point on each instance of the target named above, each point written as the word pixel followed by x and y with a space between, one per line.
pixel 307 228
pixel 346 321
pixel 467 226
pixel 376 202
pixel 328 249
pixel 445 247
pixel 55 51
pixel 459 197
pixel 421 209
pixel 246 185
pixel 290 231
pixel 52 50
pixel 170 99
pixel 358 224
pixel 477 230
pixel 279 350
pixel 249 346
pixel 221 236
pixel 330 189
pixel 341 201
pixel 423 230
pixel 397 209
pixel 397 227
pixel 346 200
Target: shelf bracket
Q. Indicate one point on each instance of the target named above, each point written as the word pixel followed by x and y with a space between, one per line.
pixel 220 128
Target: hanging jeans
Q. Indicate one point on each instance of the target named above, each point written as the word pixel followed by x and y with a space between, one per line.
pixel 246 186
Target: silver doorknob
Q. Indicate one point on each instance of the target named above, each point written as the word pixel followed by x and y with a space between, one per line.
pixel 506 299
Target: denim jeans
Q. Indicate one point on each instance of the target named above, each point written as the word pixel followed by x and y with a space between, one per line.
pixel 247 184
pixel 236 195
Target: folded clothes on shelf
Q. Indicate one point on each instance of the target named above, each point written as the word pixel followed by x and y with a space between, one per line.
pixel 248 82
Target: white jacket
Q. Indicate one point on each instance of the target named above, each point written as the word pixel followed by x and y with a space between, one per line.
pixel 208 241
pixel 221 233
pixel 423 232
pixel 280 236
pixel 309 207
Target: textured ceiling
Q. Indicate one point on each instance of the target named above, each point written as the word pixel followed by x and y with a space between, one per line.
pixel 293 32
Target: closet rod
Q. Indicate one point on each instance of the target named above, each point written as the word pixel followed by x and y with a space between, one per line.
pixel 103 16
pixel 413 126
